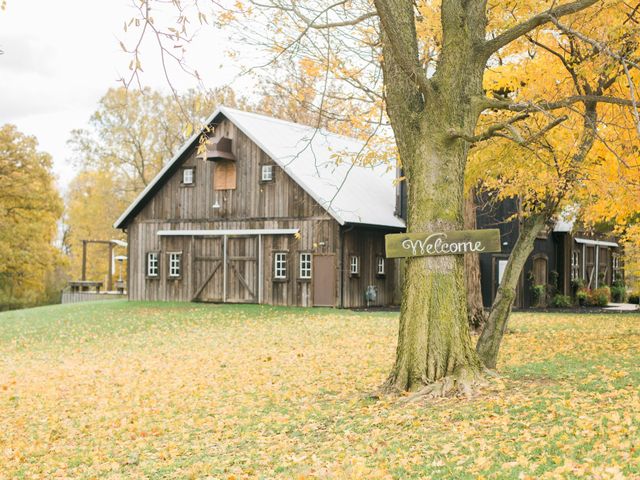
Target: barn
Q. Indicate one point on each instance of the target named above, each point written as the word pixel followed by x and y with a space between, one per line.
pixel 265 215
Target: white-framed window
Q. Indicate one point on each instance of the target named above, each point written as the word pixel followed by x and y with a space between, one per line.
pixel 354 265
pixel 280 265
pixel 380 266
pixel 153 264
pixel 617 270
pixel 575 265
pixel 305 265
pixel 175 264
pixel 266 173
pixel 187 176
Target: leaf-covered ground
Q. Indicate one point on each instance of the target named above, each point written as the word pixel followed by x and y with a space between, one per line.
pixel 141 390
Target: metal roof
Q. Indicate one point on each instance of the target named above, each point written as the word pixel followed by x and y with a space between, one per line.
pixel 349 192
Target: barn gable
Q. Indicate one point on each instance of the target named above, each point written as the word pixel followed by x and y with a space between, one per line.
pixel 347 192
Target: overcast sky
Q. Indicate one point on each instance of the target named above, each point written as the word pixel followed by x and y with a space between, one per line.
pixel 61 56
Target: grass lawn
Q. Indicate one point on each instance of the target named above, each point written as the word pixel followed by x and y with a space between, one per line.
pixel 143 390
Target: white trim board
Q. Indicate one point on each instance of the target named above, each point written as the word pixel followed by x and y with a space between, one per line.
pixel 600 243
pixel 220 233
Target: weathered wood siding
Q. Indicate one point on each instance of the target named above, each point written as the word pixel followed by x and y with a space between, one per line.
pixel 279 204
pixel 368 244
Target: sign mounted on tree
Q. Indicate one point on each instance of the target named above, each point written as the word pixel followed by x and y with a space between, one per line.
pixel 442 243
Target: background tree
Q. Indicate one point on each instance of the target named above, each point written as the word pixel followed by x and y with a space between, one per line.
pixel 30 208
pixel 130 137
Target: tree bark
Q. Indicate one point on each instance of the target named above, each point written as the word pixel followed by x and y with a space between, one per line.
pixel 475 306
pixel 434 345
pixel 491 337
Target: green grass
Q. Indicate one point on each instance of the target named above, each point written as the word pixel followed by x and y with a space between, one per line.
pixel 174 390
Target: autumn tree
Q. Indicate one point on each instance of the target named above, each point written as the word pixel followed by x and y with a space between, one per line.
pixel 455 75
pixel 130 137
pixel 30 208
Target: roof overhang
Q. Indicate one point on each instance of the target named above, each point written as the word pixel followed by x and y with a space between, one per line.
pixel 233 233
pixel 600 243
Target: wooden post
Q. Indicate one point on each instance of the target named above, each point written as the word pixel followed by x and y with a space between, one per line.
pixel 84 260
pixel 110 274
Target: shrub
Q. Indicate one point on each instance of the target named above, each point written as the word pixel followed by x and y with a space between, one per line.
pixel 581 297
pixel 538 293
pixel 599 297
pixel 561 301
pixel 618 293
pixel 634 298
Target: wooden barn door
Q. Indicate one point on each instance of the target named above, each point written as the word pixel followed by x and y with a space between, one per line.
pixel 242 270
pixel 208 269
pixel 324 280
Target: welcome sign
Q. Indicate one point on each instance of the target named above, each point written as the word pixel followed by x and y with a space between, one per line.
pixel 456 242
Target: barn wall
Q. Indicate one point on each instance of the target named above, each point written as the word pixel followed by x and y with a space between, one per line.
pixel 368 244
pixel 252 199
pixel 316 236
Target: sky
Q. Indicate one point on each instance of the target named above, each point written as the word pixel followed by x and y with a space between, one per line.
pixel 61 56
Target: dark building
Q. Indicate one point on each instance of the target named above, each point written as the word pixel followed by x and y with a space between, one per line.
pixel 561 257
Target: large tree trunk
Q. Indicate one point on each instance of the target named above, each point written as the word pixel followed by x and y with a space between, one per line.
pixel 496 324
pixel 434 345
pixel 475 306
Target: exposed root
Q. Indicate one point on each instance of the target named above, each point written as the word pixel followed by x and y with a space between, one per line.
pixel 460 384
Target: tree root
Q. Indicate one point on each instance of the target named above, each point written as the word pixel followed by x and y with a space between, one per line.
pixel 460 384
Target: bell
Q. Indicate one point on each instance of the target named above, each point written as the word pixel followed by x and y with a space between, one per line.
pixel 219 149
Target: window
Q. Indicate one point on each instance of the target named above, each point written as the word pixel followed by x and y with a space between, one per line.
pixel 152 264
pixel 266 173
pixel 502 266
pixel 280 265
pixel 354 265
pixel 617 269
pixel 380 266
pixel 175 260
pixel 305 265
pixel 224 175
pixel 575 265
pixel 187 176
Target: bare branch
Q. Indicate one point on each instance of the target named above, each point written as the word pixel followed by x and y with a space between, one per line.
pixel 311 23
pixel 491 46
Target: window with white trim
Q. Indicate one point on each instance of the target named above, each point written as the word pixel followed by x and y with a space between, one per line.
pixel 617 270
pixel 575 265
pixel 175 264
pixel 354 265
pixel 380 266
pixel 305 265
pixel 153 262
pixel 187 176
pixel 280 265
pixel 267 173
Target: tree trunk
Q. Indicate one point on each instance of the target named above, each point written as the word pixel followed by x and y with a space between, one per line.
pixel 496 324
pixel 434 345
pixel 475 306
pixel 434 341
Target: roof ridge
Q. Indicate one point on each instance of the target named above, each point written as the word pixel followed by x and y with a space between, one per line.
pixel 323 130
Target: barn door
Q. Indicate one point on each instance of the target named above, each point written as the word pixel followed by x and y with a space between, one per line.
pixel 208 269
pixel 324 280
pixel 242 270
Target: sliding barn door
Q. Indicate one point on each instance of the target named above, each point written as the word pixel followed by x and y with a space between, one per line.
pixel 208 269
pixel 242 270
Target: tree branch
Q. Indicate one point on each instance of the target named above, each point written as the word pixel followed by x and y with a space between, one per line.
pixel 497 104
pixel 491 46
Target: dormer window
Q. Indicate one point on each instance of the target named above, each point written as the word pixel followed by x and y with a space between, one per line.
pixel 266 173
pixel 188 176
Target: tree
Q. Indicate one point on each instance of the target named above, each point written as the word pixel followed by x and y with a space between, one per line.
pixel 131 136
pixel 29 210
pixel 442 99
pixel 134 132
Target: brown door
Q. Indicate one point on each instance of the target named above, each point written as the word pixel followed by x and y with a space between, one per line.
pixel 242 270
pixel 324 280
pixel 208 271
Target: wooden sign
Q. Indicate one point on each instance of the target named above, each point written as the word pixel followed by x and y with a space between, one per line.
pixel 442 243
